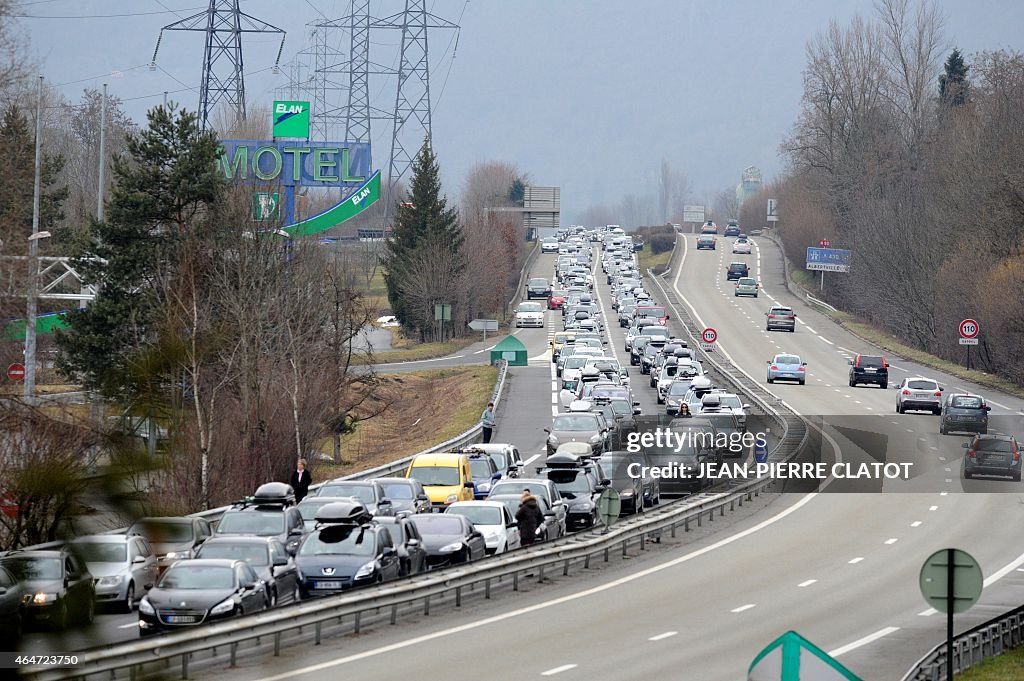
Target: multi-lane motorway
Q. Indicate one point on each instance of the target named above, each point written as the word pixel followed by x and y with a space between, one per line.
pixel 840 568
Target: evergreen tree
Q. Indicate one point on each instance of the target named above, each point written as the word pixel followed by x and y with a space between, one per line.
pixel 953 81
pixel 517 192
pixel 17 176
pixel 421 221
pixel 166 186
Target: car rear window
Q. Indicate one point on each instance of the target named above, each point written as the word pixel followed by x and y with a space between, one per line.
pixel 922 385
pixel 787 359
pixel 781 311
pixel 870 361
pixel 993 445
pixel 737 267
pixel 965 402
pixel 747 281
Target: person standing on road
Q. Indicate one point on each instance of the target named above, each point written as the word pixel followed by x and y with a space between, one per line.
pixel 487 419
pixel 684 411
pixel 301 480
pixel 528 518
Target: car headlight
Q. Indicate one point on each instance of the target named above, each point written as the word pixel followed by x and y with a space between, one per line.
pixel 448 548
pixel 452 498
pixel 586 506
pixel 483 487
pixel 366 570
pixel 224 607
pixel 626 493
pixel 41 598
pixel 110 581
pixel 175 554
pixel 596 437
pixel 673 403
pixel 552 439
pixel 146 608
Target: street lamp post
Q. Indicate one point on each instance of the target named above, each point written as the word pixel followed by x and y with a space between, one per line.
pixel 33 259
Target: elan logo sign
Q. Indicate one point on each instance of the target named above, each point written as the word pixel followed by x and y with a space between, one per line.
pixel 291 119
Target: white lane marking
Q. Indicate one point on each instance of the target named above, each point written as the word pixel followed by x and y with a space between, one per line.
pixel 748 606
pixel 532 458
pixel 554 410
pixel 949 470
pixel 558 670
pixel 417 361
pixel 856 560
pixel 809 328
pixel 933 508
pixel 807 583
pixel 554 398
pixel 891 540
pixel 469 626
pixel 826 340
pixel 662 637
pixel 480 351
pixel 916 523
pixel 131 625
pixel 989 581
pixel 870 638
pixel 942 494
pixel 846 350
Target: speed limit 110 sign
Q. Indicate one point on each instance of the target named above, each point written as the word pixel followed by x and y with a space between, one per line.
pixel 969 328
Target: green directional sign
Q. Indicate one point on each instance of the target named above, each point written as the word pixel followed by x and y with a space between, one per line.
pixel 46 323
pixel 291 119
pixel 266 206
pixel 791 657
pixel 364 197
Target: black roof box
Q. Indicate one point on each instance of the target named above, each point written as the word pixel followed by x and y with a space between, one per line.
pixel 343 513
pixel 274 494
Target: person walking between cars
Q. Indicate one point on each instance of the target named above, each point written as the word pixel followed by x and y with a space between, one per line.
pixel 301 479
pixel 528 518
pixel 487 419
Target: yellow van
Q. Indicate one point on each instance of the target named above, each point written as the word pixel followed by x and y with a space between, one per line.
pixel 559 341
pixel 445 477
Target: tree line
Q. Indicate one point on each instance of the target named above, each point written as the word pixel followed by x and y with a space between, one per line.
pixel 909 154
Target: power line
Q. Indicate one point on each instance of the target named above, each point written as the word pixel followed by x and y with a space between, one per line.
pixel 102 16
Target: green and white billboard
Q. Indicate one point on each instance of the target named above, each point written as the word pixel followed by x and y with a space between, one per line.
pixel 291 119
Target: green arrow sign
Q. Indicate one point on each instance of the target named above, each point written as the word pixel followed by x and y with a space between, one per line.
pixel 791 657
pixel 364 197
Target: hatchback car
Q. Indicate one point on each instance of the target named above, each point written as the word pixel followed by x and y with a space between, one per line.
pixel 59 588
pixel 992 455
pixel 406 494
pixel 706 242
pixel 964 413
pixel 709 227
pixel 124 567
pixel 450 539
pixel 919 394
pixel 785 367
pixel 370 493
pixel 741 248
pixel 538 287
pixel 869 369
pixel 194 592
pixel 412 556
pixel 494 520
pixel 737 270
pixel 780 317
pixel 746 286
pixel 530 314
pixel 267 557
pixel 587 427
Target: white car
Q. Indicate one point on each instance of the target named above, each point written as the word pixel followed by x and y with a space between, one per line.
pixel 530 314
pixel 387 321
pixel 549 246
pixel 494 521
pixel 741 247
pixel 723 401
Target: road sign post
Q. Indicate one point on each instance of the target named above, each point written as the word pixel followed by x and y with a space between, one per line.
pixel 693 215
pixel 951 581
pixel 773 210
pixel 969 330
pixel 16 372
pixel 484 325
pixel 707 339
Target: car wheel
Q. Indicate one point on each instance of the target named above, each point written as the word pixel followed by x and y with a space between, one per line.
pixel 883 386
pixel 1016 477
pixel 60 617
pixel 770 380
pixel 853 384
pixel 802 382
pixel 968 476
pixel 661 400
pixel 983 431
pixel 943 431
pixel 129 601
pixel 755 295
pixel 936 412
pixel 899 408
pixel 89 614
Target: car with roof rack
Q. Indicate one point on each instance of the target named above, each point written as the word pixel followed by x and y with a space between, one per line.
pixel 346 550
pixel 270 512
pixel 579 484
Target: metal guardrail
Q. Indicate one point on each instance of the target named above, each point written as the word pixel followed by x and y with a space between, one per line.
pixel 971 647
pixel 531 257
pixel 267 631
pixel 820 303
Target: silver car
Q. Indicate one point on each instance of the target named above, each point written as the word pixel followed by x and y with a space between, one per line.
pixel 123 567
pixel 918 393
pixel 585 427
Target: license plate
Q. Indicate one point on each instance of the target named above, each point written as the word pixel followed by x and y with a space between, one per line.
pixel 179 619
pixel 870 371
pixel 328 585
pixel 995 459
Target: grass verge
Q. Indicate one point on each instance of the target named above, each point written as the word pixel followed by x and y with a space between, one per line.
pixel 646 260
pixel 427 407
pixel 420 351
pixel 1006 667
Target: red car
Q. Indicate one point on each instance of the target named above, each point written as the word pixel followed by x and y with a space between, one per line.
pixel 556 301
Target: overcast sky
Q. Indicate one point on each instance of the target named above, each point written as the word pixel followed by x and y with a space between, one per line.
pixel 587 95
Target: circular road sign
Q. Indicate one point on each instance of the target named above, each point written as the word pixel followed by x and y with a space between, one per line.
pixel 709 335
pixel 824 243
pixel 967 580
pixel 969 328
pixel 609 506
pixel 16 372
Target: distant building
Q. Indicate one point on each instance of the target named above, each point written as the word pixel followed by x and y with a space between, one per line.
pixel 750 184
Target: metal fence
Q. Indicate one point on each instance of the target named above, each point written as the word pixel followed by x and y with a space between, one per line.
pixel 984 641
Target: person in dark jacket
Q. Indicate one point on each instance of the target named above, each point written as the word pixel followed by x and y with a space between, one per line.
pixel 528 518
pixel 301 480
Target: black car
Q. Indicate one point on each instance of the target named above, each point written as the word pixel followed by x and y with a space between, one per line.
pixel 369 492
pixel 579 487
pixel 538 288
pixel 267 557
pixel 62 590
pixel 964 413
pixel 450 539
pixel 406 494
pixel 172 538
pixel 194 592
pixel 270 513
pixel 650 353
pixel 12 607
pixel 636 350
pixel 737 270
pixel 625 476
pixel 412 555
pixel 869 369
pixel 694 448
pixel 992 455
pixel 347 550
pixel 732 230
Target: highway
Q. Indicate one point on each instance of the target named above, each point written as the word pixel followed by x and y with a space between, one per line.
pixel 840 568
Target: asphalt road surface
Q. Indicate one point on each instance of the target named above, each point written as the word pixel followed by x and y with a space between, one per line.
pixel 840 568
